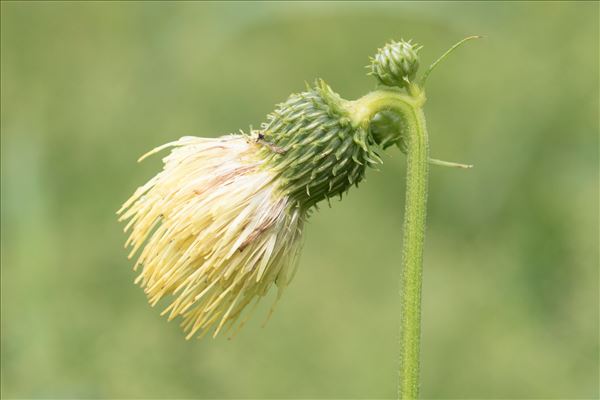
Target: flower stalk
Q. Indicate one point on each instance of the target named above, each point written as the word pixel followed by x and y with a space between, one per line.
pixel 409 108
pixel 415 211
pixel 396 65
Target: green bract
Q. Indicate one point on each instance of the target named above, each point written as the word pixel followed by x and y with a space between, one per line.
pixel 311 141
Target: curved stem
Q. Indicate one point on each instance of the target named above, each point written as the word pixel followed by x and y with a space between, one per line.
pixel 410 108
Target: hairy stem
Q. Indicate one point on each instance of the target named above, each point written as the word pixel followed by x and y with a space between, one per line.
pixel 412 255
pixel 409 107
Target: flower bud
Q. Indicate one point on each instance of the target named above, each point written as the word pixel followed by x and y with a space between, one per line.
pixel 396 63
pixel 387 128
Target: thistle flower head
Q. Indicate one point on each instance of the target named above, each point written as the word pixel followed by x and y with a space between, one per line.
pixel 396 64
pixel 222 222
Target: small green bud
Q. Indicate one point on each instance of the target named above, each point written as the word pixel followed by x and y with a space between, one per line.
pixel 396 63
pixel 387 128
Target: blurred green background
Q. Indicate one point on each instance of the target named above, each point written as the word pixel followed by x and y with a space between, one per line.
pixel 511 267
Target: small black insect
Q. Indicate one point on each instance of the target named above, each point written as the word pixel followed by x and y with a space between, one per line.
pixel 260 139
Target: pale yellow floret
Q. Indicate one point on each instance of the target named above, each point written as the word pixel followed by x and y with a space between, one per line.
pixel 215 232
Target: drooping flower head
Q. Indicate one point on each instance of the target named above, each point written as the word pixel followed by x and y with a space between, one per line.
pixel 222 222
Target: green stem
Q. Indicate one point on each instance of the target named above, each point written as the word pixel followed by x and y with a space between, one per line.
pixel 415 133
pixel 415 210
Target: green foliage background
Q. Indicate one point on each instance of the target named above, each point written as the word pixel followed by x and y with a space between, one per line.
pixel 511 265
